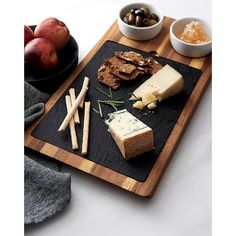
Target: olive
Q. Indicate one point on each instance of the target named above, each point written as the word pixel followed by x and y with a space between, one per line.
pixel 138 21
pixel 133 10
pixel 152 22
pixel 131 19
pixel 146 21
pixel 146 11
pixel 125 19
pixel 139 12
pixel 154 16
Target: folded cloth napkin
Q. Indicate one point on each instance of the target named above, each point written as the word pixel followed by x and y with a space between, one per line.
pixel 32 113
pixel 46 191
pixel 34 103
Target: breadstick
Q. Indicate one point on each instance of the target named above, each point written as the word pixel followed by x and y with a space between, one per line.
pixel 74 141
pixel 73 97
pixel 86 128
pixel 73 109
pixel 85 84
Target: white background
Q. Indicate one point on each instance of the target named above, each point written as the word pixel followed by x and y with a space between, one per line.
pixel 181 204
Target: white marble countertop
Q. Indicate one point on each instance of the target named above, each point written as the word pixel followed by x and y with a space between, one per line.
pixel 181 205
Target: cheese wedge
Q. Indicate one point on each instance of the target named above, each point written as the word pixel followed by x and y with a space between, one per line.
pixel 132 136
pixel 165 83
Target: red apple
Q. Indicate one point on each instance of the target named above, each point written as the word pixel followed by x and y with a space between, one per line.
pixel 40 53
pixel 54 30
pixel 28 34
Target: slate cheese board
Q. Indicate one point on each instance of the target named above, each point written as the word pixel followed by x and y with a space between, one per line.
pixel 168 121
pixel 102 148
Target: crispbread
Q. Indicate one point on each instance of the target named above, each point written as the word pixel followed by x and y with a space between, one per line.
pixel 120 65
pixel 148 65
pixel 125 66
pixel 133 57
pixel 133 75
pixel 105 77
pixel 152 67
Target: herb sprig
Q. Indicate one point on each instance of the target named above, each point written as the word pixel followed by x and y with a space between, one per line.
pixel 115 103
pixel 105 93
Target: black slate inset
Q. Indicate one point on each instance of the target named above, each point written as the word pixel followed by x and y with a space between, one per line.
pixel 102 148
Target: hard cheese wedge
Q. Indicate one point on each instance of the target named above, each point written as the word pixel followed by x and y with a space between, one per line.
pixel 163 84
pixel 132 136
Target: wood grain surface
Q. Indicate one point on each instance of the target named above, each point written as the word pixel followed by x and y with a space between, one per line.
pixel 160 44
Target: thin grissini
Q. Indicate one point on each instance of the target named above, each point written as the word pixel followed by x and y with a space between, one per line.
pixel 85 84
pixel 86 128
pixel 73 98
pixel 74 141
pixel 75 105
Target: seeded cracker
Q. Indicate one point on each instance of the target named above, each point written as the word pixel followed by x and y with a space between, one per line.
pixel 133 57
pixel 105 77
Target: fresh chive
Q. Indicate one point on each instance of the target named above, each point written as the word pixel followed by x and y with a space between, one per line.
pixel 100 109
pixel 100 90
pixel 96 111
pixel 114 107
pixel 113 104
pixel 110 92
pixel 111 101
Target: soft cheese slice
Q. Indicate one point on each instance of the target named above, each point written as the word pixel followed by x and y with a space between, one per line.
pixel 163 84
pixel 132 136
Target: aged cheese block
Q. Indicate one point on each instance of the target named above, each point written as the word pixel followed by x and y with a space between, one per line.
pixel 131 135
pixel 163 84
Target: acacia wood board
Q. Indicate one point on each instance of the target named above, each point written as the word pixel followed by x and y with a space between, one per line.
pixel 144 186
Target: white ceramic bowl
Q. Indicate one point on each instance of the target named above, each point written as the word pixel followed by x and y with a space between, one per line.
pixel 140 33
pixel 189 49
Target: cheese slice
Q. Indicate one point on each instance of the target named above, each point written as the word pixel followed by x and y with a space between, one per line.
pixel 165 83
pixel 132 136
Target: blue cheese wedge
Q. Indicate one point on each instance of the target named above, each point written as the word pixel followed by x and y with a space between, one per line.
pixel 165 83
pixel 132 136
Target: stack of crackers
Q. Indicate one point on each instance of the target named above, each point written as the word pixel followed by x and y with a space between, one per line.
pixel 125 66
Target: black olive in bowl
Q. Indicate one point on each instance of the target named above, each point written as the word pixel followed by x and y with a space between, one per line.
pixel 139 21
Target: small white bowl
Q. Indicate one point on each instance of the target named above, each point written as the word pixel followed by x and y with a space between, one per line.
pixel 140 33
pixel 189 49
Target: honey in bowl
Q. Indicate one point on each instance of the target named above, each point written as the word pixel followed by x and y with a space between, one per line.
pixel 194 33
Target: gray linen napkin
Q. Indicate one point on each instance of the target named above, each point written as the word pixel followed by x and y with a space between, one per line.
pixel 34 103
pixel 46 191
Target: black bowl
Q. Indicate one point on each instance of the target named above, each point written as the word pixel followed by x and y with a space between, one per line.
pixel 50 80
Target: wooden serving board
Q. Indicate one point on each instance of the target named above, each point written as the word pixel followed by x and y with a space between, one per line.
pixel 147 185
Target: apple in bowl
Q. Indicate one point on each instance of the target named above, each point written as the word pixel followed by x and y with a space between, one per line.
pixel 28 34
pixel 54 30
pixel 40 53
